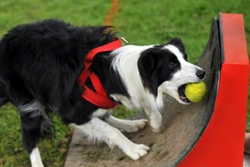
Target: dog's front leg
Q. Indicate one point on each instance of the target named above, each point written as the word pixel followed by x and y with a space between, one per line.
pixel 155 119
pixel 97 129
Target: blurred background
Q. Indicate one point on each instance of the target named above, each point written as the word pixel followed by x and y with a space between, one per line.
pixel 141 22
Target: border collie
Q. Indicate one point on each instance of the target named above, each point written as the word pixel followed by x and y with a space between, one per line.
pixel 39 68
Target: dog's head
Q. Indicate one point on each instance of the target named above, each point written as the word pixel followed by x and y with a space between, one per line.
pixel 164 69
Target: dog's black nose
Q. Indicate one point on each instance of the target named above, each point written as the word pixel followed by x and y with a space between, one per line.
pixel 200 74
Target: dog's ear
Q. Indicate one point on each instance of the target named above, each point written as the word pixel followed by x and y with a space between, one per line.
pixel 148 61
pixel 178 43
pixel 148 64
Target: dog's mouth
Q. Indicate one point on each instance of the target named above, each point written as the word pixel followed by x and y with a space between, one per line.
pixel 181 92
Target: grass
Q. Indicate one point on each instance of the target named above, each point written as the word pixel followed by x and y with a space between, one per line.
pixel 12 153
pixel 158 21
pixel 139 21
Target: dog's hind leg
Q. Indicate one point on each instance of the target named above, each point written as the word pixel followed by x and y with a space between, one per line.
pixel 97 129
pixel 33 123
pixel 123 125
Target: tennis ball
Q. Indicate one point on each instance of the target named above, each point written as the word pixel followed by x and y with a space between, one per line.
pixel 195 92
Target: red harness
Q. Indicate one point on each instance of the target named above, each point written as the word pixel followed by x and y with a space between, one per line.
pixel 99 96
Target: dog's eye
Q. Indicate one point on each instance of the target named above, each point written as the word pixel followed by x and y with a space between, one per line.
pixel 171 65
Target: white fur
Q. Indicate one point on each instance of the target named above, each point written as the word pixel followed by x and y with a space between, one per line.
pixel 35 158
pixel 126 64
pixel 126 125
pixel 36 109
pixel 112 136
pixel 100 112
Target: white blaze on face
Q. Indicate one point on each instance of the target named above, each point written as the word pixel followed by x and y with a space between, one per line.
pixel 125 63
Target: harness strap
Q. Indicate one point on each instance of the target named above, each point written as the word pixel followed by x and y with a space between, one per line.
pixel 104 48
pixel 98 97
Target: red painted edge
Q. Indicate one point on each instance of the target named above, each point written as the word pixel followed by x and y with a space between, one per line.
pixel 222 142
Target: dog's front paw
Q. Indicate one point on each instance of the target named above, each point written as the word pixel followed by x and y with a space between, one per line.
pixel 155 130
pixel 155 122
pixel 136 151
pixel 136 125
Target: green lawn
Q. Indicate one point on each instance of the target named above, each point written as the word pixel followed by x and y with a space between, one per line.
pixel 139 21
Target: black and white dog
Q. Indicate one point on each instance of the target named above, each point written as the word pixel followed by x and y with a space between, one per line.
pixel 39 68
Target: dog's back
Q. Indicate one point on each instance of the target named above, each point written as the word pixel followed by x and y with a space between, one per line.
pixel 41 61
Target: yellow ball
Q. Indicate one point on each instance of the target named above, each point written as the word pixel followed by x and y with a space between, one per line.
pixel 195 92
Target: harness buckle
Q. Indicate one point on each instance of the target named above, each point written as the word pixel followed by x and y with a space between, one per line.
pixel 124 40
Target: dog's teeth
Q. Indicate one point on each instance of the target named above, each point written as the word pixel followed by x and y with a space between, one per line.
pixel 183 98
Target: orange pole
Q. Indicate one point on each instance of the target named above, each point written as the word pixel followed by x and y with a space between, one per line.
pixel 111 13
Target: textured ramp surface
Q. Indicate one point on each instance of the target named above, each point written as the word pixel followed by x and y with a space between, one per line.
pixel 246 160
pixel 182 126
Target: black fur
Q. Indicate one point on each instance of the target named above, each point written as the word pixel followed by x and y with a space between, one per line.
pixel 42 61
